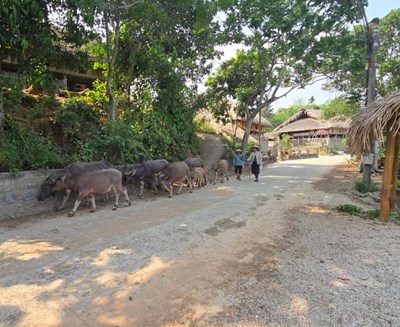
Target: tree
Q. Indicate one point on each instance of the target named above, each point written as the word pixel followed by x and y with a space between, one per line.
pixel 283 114
pixel 285 42
pixel 30 37
pixel 340 108
pixel 350 76
pixel 389 54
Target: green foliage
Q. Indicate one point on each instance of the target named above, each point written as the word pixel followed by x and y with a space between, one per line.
pixel 363 187
pixel 340 108
pixel 116 142
pixel 282 114
pixel 75 121
pixel 354 210
pixel 349 76
pixel 286 142
pixel 23 149
pixel 389 53
pixel 373 214
pixel 350 209
pixel 286 43
pixel 203 126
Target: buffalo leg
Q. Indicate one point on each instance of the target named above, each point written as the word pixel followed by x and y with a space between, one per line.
pixel 93 202
pixel 180 186
pixel 190 185
pixel 124 191
pixel 141 186
pixel 77 203
pixel 116 193
pixel 169 188
pixel 65 199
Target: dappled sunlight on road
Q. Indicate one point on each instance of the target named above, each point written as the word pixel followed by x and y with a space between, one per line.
pixel 299 305
pixel 26 250
pixel 103 259
pixel 33 303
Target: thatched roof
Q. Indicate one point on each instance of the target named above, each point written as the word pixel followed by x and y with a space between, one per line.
pixel 369 124
pixel 308 120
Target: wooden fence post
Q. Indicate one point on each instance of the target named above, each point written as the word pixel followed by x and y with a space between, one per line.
pixel 387 173
pixel 393 193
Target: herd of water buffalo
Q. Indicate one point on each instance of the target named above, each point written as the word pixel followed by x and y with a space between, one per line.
pixel 99 178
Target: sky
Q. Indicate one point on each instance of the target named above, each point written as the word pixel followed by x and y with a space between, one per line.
pixel 376 8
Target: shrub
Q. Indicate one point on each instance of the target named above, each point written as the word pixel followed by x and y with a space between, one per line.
pixel 350 209
pixel 23 149
pixel 373 214
pixel 116 142
pixel 203 126
pixel 364 187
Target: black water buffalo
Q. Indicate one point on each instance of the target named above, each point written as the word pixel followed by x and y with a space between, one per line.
pixel 147 169
pixel 194 162
pixel 177 172
pixel 93 182
pixel 47 187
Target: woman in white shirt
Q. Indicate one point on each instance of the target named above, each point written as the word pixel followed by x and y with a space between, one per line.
pixel 255 160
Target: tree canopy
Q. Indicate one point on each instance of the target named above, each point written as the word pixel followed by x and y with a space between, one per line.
pixel 285 45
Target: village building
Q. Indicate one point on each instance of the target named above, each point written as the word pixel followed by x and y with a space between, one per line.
pixel 307 129
pixel 68 81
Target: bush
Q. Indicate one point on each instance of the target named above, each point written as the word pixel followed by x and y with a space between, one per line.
pixel 23 149
pixel 116 142
pixel 364 187
pixel 373 214
pixel 203 126
pixel 350 209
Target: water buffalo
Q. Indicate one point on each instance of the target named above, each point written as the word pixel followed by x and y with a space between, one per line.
pixel 221 170
pixel 194 162
pixel 177 172
pixel 91 183
pixel 147 169
pixel 198 177
pixel 47 186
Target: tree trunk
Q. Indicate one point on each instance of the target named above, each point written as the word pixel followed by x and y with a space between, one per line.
pixel 1 106
pixel 245 141
pixel 112 50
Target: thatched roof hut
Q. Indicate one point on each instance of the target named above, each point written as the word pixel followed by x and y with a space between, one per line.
pixel 371 122
pixel 309 120
pixel 368 126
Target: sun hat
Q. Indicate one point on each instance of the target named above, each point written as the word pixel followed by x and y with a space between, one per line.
pixel 255 146
pixel 238 150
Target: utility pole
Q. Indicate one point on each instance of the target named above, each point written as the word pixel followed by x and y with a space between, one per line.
pixel 371 160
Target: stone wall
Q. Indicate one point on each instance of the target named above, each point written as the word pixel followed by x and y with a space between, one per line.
pixel 18 194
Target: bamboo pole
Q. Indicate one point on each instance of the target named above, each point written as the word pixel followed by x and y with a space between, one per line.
pixel 393 193
pixel 387 173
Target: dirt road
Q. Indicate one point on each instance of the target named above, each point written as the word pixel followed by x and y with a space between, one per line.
pixel 167 262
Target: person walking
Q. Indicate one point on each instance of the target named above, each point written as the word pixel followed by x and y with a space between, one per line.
pixel 238 163
pixel 255 161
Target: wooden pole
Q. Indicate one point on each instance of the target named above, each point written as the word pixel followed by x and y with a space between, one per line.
pixel 393 193
pixel 387 172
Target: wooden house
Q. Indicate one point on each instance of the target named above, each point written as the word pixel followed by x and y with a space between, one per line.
pixel 256 127
pixel 308 128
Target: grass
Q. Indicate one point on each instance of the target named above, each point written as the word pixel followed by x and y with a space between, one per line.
pixel 364 187
pixel 354 210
